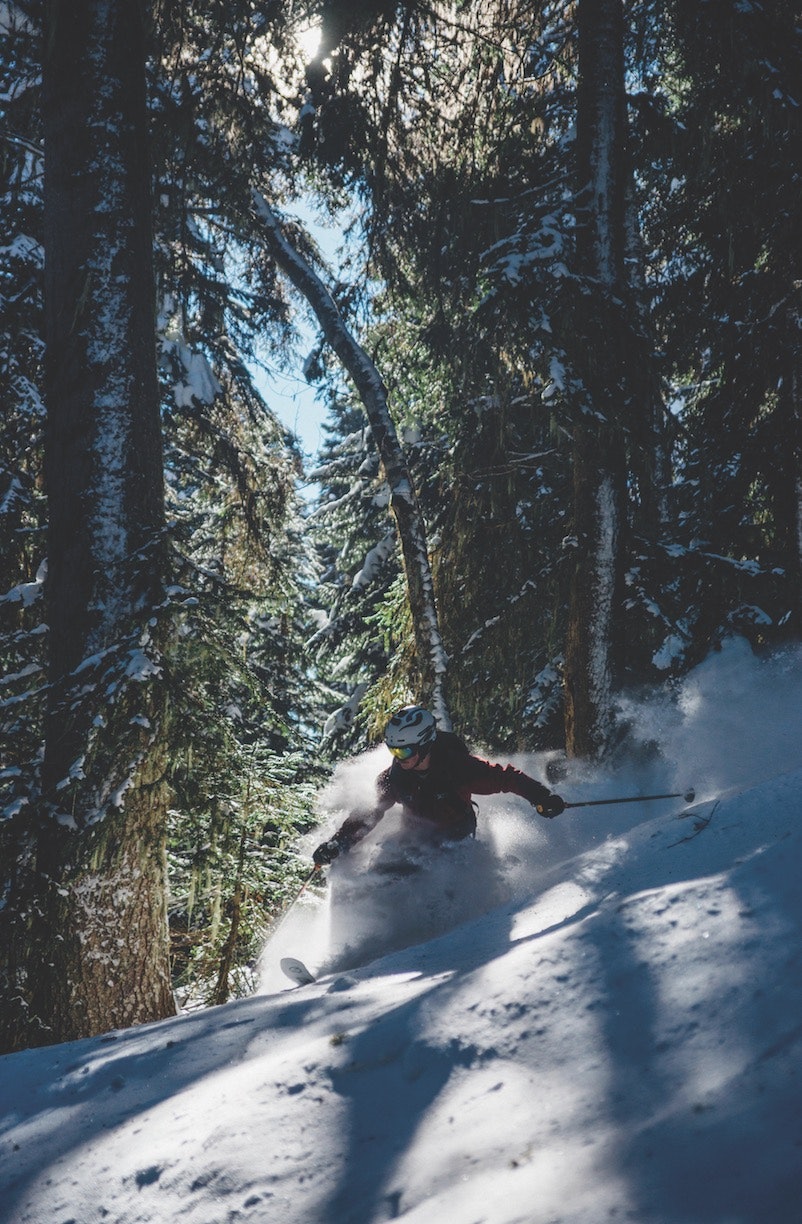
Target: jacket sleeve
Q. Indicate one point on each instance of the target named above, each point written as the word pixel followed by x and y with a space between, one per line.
pixel 360 823
pixel 482 778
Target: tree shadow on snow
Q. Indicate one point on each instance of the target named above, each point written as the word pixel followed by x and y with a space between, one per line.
pixel 700 1096
pixel 697 998
pixel 56 1101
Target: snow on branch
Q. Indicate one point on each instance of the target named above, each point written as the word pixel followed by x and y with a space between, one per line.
pixel 196 379
pixel 27 593
pixel 374 561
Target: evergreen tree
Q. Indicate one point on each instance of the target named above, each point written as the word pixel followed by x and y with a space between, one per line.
pixel 92 890
pixel 468 116
pixel 732 311
pixel 448 110
pixel 22 513
pixel 229 673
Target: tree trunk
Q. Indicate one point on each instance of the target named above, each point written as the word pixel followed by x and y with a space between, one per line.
pixel 792 393
pixel 89 905
pixel 651 444
pixel 221 990
pixel 403 500
pixel 599 468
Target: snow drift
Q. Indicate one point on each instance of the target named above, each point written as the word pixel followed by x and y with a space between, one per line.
pixel 620 1039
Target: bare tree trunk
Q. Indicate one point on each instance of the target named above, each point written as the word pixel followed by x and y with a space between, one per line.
pixel 90 927
pixel 599 467
pixel 403 500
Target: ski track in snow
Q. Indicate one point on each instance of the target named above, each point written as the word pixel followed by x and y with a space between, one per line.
pixel 621 1039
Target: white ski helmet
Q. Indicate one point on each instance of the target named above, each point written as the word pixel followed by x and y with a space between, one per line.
pixel 410 727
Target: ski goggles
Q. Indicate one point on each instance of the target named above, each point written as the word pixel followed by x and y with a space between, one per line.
pixel 404 754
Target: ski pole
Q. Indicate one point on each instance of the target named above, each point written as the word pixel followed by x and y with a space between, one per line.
pixel 291 903
pixel 688 796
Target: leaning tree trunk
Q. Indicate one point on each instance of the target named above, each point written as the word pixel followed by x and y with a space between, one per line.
pixel 599 468
pixel 403 499
pixel 90 930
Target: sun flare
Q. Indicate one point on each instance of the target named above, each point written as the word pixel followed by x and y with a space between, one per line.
pixel 308 41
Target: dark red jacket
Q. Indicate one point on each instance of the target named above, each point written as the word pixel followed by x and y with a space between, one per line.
pixel 437 804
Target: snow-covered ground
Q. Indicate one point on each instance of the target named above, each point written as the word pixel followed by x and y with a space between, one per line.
pixel 619 1039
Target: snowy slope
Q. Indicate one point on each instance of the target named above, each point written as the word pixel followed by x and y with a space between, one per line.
pixel 622 1040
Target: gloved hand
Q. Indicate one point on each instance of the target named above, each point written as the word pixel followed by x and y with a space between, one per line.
pixel 326 852
pixel 550 805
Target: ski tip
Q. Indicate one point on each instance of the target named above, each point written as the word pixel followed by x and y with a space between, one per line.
pixel 296 971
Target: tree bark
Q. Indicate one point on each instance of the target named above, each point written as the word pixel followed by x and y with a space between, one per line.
pixel 403 500
pixel 221 990
pixel 651 444
pixel 89 920
pixel 792 392
pixel 599 467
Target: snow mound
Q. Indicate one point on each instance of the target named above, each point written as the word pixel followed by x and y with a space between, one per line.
pixel 623 1043
pixel 616 1035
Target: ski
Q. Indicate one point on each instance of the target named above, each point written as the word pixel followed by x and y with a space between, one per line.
pixel 296 971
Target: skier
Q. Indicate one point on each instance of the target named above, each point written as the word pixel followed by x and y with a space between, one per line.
pixel 433 777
